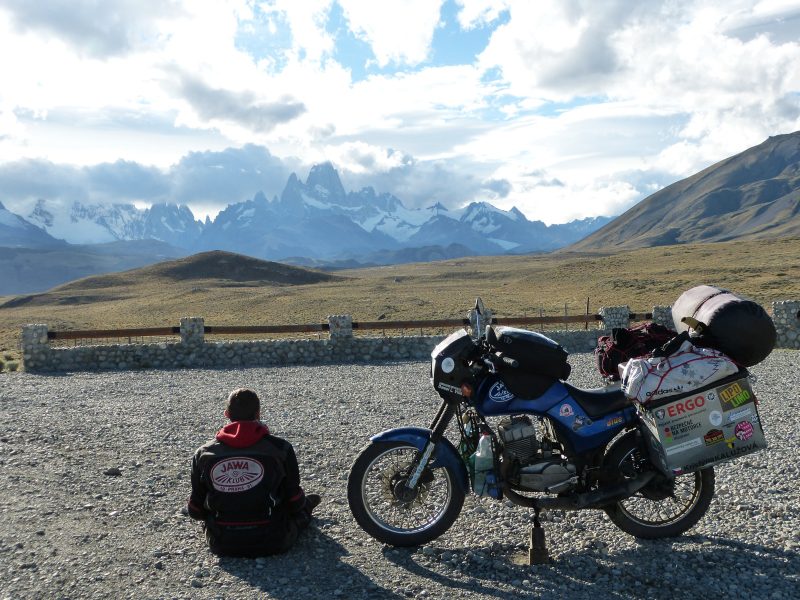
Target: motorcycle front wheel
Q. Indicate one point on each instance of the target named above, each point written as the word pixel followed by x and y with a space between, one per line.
pixel 665 507
pixel 387 509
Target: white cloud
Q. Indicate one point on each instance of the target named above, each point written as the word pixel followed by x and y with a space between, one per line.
pixel 360 158
pixel 603 97
pixel 96 29
pixel 307 22
pixel 10 126
pixel 398 32
pixel 477 13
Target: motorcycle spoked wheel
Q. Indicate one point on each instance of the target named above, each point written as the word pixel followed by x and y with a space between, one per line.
pixel 391 513
pixel 663 508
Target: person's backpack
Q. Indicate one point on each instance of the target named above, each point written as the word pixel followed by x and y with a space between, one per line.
pixel 624 344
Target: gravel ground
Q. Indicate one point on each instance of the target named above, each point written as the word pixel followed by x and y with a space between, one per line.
pixel 95 468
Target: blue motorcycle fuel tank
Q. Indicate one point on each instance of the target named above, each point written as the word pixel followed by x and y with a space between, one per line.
pixel 493 398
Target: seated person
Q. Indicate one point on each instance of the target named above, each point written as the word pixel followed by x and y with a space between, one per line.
pixel 246 485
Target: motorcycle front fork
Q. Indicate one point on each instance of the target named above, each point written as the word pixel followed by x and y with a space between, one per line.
pixel 438 428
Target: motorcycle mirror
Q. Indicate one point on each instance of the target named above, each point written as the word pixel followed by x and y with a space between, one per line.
pixel 476 320
pixel 479 317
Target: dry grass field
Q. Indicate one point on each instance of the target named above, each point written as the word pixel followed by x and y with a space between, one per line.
pixel 510 285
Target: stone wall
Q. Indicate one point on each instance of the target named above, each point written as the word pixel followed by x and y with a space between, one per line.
pixel 193 350
pixel 786 316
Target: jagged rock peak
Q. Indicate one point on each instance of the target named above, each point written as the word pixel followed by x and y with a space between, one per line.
pixel 325 176
pixel 518 213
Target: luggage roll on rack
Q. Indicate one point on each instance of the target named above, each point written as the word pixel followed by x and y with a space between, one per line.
pixel 735 326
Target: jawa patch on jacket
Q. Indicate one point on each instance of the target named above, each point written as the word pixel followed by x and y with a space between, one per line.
pixel 245 477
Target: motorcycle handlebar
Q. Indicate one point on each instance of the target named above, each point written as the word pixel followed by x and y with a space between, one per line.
pixel 498 359
pixel 510 361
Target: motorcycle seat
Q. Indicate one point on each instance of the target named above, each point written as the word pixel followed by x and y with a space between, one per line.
pixel 600 401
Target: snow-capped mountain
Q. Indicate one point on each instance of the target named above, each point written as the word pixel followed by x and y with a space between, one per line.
pixel 16 232
pixel 171 223
pixel 79 223
pixel 319 220
pixel 316 220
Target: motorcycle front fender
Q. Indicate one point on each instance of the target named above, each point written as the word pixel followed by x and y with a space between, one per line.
pixel 444 454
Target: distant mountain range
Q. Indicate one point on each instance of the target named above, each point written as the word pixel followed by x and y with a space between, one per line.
pixel 753 195
pixel 316 221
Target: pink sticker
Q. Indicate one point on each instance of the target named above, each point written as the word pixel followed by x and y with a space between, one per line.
pixel 743 430
pixel 566 410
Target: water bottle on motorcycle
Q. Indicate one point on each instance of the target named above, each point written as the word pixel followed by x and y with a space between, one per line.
pixel 485 480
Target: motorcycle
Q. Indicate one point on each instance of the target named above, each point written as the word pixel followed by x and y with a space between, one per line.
pixel 553 447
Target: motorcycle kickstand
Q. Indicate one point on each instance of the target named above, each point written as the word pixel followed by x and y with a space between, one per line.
pixel 537 552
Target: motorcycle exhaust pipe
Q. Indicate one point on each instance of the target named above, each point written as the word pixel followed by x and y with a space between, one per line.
pixel 595 499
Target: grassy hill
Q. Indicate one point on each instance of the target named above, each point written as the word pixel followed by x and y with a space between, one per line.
pixel 230 294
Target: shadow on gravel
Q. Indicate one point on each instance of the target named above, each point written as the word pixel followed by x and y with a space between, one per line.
pixel 477 578
pixel 313 568
pixel 728 568
pixel 688 563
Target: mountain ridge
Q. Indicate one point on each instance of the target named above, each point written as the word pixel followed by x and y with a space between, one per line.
pixel 752 195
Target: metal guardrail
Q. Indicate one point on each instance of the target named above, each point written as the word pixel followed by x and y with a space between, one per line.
pixel 319 327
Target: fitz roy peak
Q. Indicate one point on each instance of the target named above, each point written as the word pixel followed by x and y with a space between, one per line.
pixel 318 219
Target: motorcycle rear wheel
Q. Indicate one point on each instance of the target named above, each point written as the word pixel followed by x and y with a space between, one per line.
pixel 391 513
pixel 663 508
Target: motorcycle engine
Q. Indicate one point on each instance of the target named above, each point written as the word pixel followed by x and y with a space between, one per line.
pixel 519 438
pixel 529 465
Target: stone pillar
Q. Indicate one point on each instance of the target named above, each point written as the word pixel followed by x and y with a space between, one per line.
pixel 786 316
pixel 341 326
pixel 615 316
pixel 662 315
pixel 35 347
pixel 192 331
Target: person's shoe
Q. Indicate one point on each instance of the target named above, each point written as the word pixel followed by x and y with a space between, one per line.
pixel 312 502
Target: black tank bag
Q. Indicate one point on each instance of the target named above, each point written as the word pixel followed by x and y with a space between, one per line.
pixel 542 361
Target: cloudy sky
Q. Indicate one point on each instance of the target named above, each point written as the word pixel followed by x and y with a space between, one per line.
pixel 563 108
